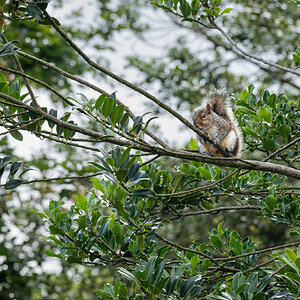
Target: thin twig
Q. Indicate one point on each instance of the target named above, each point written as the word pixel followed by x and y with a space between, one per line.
pixel 198 189
pixel 282 149
pixel 252 56
pixel 260 251
pixel 217 210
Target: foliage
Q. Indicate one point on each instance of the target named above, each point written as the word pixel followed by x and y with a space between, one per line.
pixel 122 223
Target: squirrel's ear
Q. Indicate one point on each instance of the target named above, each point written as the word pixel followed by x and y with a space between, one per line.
pixel 208 108
pixel 194 110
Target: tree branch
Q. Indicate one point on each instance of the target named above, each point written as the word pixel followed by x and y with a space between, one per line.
pixel 216 210
pixel 249 55
pixel 260 251
pixel 221 161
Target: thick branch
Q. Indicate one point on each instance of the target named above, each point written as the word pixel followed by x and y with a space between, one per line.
pixel 220 161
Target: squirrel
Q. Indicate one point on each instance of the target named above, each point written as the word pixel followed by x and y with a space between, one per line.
pixel 215 118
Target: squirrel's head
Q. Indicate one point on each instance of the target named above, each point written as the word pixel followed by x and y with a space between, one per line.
pixel 202 117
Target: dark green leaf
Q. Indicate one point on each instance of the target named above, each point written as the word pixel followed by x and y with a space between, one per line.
pixel 15 166
pixel 73 260
pixel 269 144
pixel 171 285
pixel 150 267
pixel 143 193
pixel 12 184
pixel 117 114
pixel 237 281
pixel 17 135
pixel 34 11
pixel 7 49
pixel 185 8
pixel 123 272
pixel 107 107
pixel 158 273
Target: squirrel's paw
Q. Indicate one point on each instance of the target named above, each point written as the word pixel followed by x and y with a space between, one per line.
pixel 215 141
pixel 228 149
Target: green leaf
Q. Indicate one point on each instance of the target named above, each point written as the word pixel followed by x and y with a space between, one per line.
pixel 171 285
pixel 216 241
pixel 121 174
pixel 205 173
pixel 123 272
pixel 249 131
pixel 34 11
pixel 143 193
pixel 124 121
pixel 116 156
pixel 14 87
pixel 17 135
pixel 124 156
pixel 52 112
pixel 185 8
pixel 137 124
pixel 194 261
pixel 237 281
pixel 15 166
pixel 193 144
pixel 12 184
pixel 117 114
pixel 263 113
pixel 133 170
pixel 42 215
pixel 107 107
pixel 100 101
pixel 235 245
pixel 3 79
pixel 263 283
pixel 252 282
pixel 241 288
pixel 297 262
pixel 293 276
pixel 226 11
pixel 50 253
pixel 150 267
pixel 8 49
pixel 291 255
pixel 81 202
pixel 178 181
pixel 271 202
pixel 158 273
pixel 54 230
pixel 97 185
pixel 269 144
pixel 73 260
pixel 246 111
pixel 284 130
